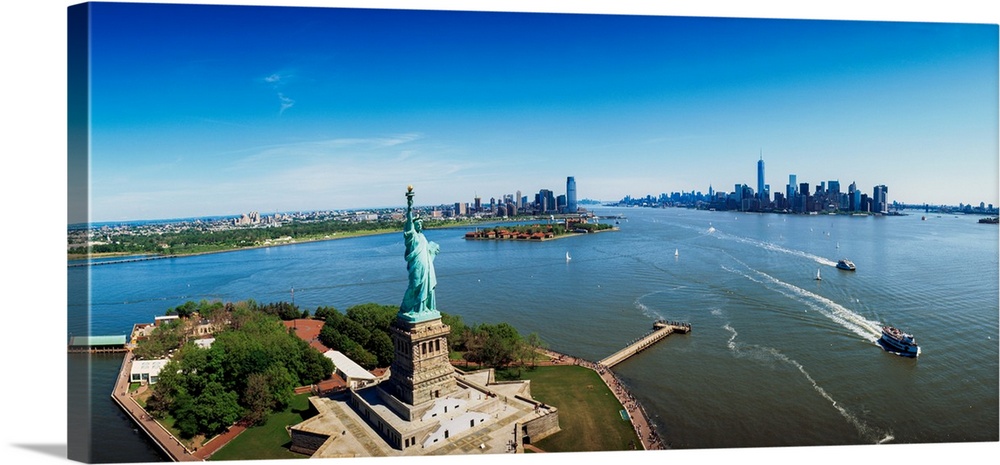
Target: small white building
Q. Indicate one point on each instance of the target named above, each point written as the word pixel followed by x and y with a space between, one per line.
pixel 160 320
pixel 354 374
pixel 146 371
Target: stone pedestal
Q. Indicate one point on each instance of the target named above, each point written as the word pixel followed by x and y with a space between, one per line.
pixel 420 370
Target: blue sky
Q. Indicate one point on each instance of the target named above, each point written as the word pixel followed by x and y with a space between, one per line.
pixel 215 110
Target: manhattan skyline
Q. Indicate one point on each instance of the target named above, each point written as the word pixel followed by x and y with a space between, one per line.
pixel 209 110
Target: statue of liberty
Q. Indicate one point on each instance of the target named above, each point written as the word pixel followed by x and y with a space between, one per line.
pixel 418 302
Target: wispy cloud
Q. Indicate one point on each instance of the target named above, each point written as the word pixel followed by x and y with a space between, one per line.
pixel 286 103
pixel 278 81
pixel 382 148
pixel 349 171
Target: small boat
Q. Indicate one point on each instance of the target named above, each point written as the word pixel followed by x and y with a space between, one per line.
pixel 845 264
pixel 568 258
pixel 900 343
pixel 818 278
pixel 676 252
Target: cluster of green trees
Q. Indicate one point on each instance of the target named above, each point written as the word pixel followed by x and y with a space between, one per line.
pixel 592 227
pixel 168 336
pixel 362 333
pixel 254 364
pixel 212 310
pixel 492 345
pixel 204 308
pixel 556 229
pixel 249 371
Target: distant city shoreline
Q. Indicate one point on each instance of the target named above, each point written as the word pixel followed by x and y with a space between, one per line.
pixel 82 237
pixel 86 259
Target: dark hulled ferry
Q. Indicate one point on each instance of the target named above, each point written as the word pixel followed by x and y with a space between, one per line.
pixel 898 342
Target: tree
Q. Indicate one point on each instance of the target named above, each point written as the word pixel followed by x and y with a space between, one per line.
pixel 210 310
pixel 380 345
pixel 353 330
pixel 372 316
pixel 316 367
pixel 332 338
pixel 493 345
pixel 534 343
pixel 212 411
pixel 165 337
pixel 184 310
pixel 258 399
pixel 324 313
pixel 284 310
pixel 282 384
pixel 456 338
pixel 338 341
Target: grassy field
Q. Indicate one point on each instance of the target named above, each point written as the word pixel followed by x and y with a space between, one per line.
pixel 270 440
pixel 589 416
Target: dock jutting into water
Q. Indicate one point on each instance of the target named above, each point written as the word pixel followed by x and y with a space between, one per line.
pixel 661 329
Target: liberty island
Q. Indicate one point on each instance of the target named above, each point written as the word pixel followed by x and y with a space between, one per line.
pixel 409 413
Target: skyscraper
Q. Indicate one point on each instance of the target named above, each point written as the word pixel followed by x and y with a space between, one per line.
pixel 803 198
pixel 833 187
pixel 762 194
pixel 546 201
pixel 570 195
pixel 880 203
pixel 853 197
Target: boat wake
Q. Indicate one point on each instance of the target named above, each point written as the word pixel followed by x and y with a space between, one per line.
pixel 755 352
pixel 646 311
pixel 777 248
pixel 763 245
pixel 843 316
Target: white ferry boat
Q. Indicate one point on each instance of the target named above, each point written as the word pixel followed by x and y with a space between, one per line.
pixel 895 341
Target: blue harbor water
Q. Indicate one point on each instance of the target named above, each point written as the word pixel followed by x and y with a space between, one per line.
pixel 775 358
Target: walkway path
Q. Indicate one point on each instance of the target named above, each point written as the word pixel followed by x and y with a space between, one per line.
pixel 167 442
pixel 216 443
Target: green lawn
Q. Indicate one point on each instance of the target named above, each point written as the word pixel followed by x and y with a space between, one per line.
pixel 589 416
pixel 270 440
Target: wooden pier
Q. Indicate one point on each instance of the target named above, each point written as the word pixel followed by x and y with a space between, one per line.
pixel 661 329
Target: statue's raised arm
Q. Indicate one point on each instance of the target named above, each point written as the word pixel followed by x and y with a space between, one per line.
pixel 409 209
pixel 418 302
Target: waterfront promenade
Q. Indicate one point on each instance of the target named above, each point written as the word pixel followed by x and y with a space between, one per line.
pixel 168 444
